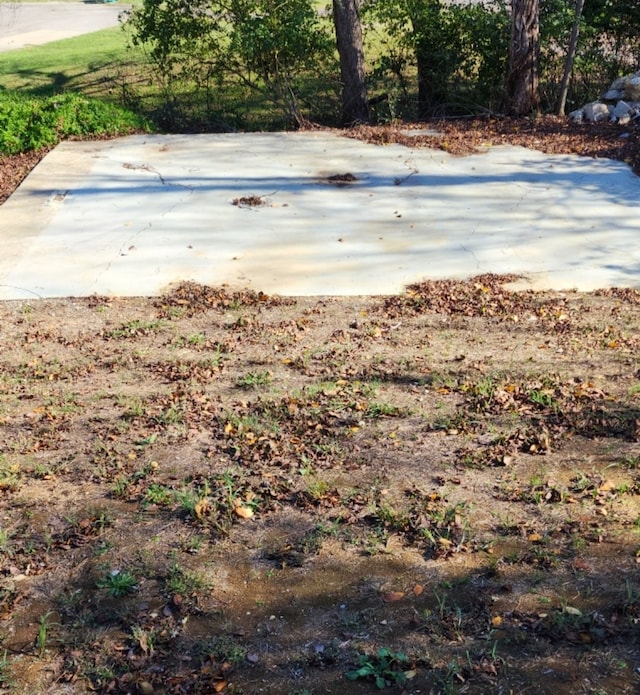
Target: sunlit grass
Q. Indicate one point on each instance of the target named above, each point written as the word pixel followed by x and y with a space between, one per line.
pixel 93 64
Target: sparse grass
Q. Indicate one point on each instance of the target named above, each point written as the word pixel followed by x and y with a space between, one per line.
pixel 6 677
pixel 239 517
pixel 182 581
pixel 253 380
pixel 134 329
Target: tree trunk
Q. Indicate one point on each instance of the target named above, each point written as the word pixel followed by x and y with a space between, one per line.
pixel 523 95
pixel 346 18
pixel 571 54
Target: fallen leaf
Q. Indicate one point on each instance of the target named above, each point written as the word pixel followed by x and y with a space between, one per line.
pixel 496 621
pixel 202 507
pixel 418 589
pixel 243 512
pixel 535 537
pixel 393 596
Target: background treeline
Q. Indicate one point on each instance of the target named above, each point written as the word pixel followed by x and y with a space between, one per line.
pixel 226 62
pixel 224 65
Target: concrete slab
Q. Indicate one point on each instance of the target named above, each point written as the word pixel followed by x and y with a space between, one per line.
pixel 133 215
pixel 25 24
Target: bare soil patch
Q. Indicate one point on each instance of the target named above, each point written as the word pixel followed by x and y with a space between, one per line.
pixel 209 491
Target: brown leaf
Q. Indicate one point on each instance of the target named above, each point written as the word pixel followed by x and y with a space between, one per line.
pixel 393 596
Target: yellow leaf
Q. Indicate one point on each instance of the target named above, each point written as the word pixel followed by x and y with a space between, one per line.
pixel 535 537
pixel 202 507
pixel 496 621
pixel 243 512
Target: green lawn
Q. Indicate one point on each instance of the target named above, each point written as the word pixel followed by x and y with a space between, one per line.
pixel 95 64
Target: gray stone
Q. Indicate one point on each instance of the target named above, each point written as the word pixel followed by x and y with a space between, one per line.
pixel 621 109
pixel 613 94
pixel 596 111
pixel 632 88
pixel 577 116
pixel 618 84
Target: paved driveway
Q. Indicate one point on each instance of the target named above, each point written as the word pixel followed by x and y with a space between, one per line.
pixel 30 24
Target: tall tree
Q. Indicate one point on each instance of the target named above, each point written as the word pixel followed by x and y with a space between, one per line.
pixel 346 18
pixel 523 92
pixel 571 54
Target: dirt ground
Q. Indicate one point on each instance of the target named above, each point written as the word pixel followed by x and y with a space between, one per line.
pixel 436 492
pixel 229 492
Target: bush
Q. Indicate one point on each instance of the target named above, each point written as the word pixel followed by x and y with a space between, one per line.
pixel 29 123
pixel 207 53
pixel 458 52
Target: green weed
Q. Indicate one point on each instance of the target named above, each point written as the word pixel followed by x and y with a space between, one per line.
pixel 118 583
pixel 252 380
pixel 182 581
pixel 385 667
pixel 6 677
pixel 133 329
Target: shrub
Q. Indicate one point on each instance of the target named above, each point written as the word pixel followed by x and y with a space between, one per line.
pixel 30 123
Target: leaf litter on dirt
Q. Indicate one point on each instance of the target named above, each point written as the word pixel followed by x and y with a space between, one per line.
pixel 451 475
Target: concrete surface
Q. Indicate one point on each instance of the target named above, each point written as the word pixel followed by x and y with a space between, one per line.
pixel 133 215
pixel 25 24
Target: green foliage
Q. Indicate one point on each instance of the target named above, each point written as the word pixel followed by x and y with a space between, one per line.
pixel 118 584
pixel 608 46
pixel 31 123
pixel 459 50
pixel 270 47
pixel 385 667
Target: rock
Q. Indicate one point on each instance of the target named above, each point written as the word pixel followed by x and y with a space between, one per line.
pixel 618 84
pixel 613 94
pixel 577 116
pixel 596 111
pixel 621 109
pixel 632 88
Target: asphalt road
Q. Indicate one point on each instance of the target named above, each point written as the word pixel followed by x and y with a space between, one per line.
pixel 29 24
